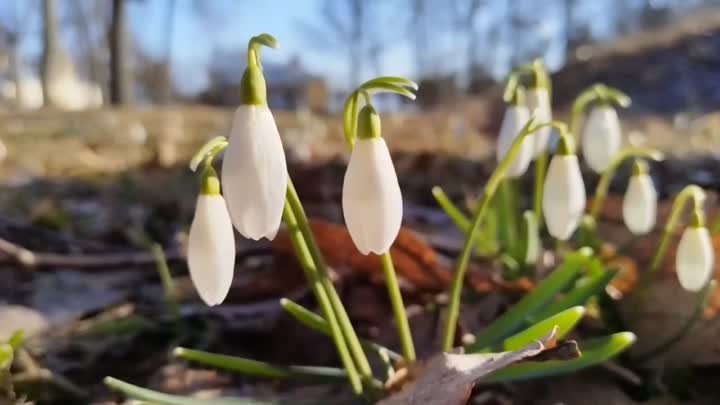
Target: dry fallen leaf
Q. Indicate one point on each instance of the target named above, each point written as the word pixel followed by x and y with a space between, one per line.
pixel 415 261
pixel 448 378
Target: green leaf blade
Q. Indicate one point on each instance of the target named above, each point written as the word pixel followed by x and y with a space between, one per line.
pixel 514 318
pixel 594 352
pixel 565 322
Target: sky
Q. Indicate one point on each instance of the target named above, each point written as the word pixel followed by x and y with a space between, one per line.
pixel 230 23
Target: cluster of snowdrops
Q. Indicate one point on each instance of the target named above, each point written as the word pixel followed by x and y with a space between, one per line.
pixel 255 195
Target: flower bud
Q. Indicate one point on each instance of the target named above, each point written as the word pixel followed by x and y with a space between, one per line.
pixel 694 259
pixel 211 245
pixel 538 102
pixel 515 118
pixel 601 138
pixel 563 196
pixel 640 202
pixel 371 198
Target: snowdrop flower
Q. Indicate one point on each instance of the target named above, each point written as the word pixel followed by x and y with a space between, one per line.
pixel 371 198
pixel 695 259
pixel 564 198
pixel 640 202
pixel 538 102
pixel 211 243
pixel 515 118
pixel 601 137
pixel 254 171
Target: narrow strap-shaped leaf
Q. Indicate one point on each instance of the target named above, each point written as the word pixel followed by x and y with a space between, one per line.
pixel 315 322
pixel 531 246
pixel 260 368
pixel 486 242
pixel 514 318
pixel 155 397
pixel 6 356
pixel 579 295
pixel 594 352
pixel 564 321
pixel 17 339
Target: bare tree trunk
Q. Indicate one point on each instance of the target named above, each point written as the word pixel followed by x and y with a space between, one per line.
pixel 120 81
pixel 51 50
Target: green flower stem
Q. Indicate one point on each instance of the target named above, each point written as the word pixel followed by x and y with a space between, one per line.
pixel 321 295
pixel 507 214
pixel 594 352
pixel 698 196
pixel 702 303
pixel 541 164
pixel 401 319
pixel 486 244
pixel 166 280
pixel 462 264
pixel 208 151
pixel 336 305
pixel 260 368
pixel 317 323
pixel 601 191
pixel 597 92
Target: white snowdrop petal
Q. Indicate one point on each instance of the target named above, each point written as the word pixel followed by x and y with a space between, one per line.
pixel 254 173
pixel 601 137
pixel 538 102
pixel 371 198
pixel 563 196
pixel 694 259
pixel 640 204
pixel 211 249
pixel 513 122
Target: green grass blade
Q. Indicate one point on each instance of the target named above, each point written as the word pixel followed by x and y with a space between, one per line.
pixel 260 368
pixel 315 322
pixel 486 244
pixel 565 322
pixel 6 356
pixel 17 339
pixel 531 247
pixel 155 397
pixel 578 295
pixel 514 319
pixel 594 352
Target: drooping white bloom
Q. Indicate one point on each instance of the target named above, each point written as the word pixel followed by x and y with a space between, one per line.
pixel 254 173
pixel 211 249
pixel 694 260
pixel 640 204
pixel 538 102
pixel 563 196
pixel 601 137
pixel 371 198
pixel 515 118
